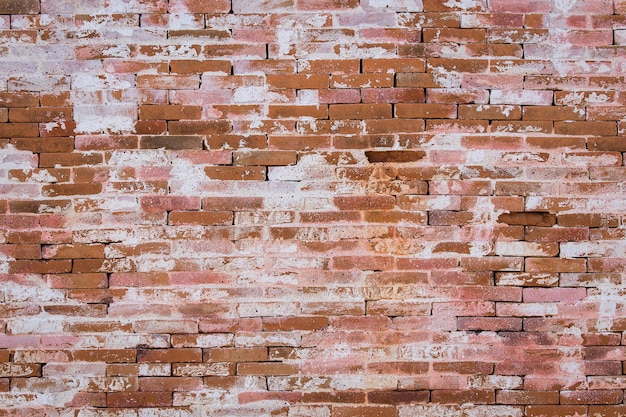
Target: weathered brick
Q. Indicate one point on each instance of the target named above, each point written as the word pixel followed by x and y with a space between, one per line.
pixel 189 355
pixel 430 222
pixel 138 399
pixel 360 111
pixel 19 7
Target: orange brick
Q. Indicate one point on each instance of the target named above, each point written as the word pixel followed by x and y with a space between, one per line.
pixel 169 112
pixel 266 368
pixel 289 111
pixel 552 113
pixel 294 323
pixel 236 355
pixel 592 397
pixel 361 81
pixel 463 396
pixel 138 399
pixel 527 397
pixel 101 355
pixel 170 203
pixel 454 35
pixel 75 251
pixel 250 173
pixel 198 127
pixel 555 265
pixel 300 81
pixel 426 111
pixel 365 202
pixel 206 218
pixel 396 65
pixel 188 355
pixel 490 112
pixel 345 397
pixel 585 128
pixel 556 410
pixel 366 411
pixel 170 384
pixel 360 111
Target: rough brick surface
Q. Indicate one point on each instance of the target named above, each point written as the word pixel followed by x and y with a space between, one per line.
pixel 320 208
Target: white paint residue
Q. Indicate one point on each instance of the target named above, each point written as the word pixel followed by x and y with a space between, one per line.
pixel 308 97
pixel 90 82
pixel 105 124
pixel 398 5
pixel 485 214
pixel 506 110
pixel 187 176
pixel 45 19
pixel 577 98
pixel 183 21
pixel 4 267
pixel 118 51
pixel 256 94
pixel 12 158
pixel 353 51
pixel 305 169
pixel 606 316
pixel 447 79
pixel 97 24
pixel 461 4
pixel 564 6
pixel 287 39
pixel 48 127
pixel 139 158
pixel 107 115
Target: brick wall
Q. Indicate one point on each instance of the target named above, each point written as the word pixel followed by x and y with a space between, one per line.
pixel 312 208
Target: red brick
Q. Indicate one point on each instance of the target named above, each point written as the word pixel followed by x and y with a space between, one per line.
pixel 170 203
pixel 344 397
pixel 489 324
pixel 365 202
pixel 480 368
pixel 592 397
pixel 299 81
pixel 206 218
pixel 294 323
pixel 263 157
pixel 55 266
pixel 527 397
pixel 494 263
pixel 100 355
pixel 555 265
pixel 300 111
pixel 248 173
pixel 585 128
pixel 490 112
pixel 465 396
pixel 426 111
pixel 360 111
pixel 138 399
pixel 170 384
pixel 19 7
pixel 602 410
pixel 266 368
pixel 236 355
pixel 543 295
pixel 363 411
pixel 398 397
pixel 169 112
pixel 556 410
pixel 170 355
